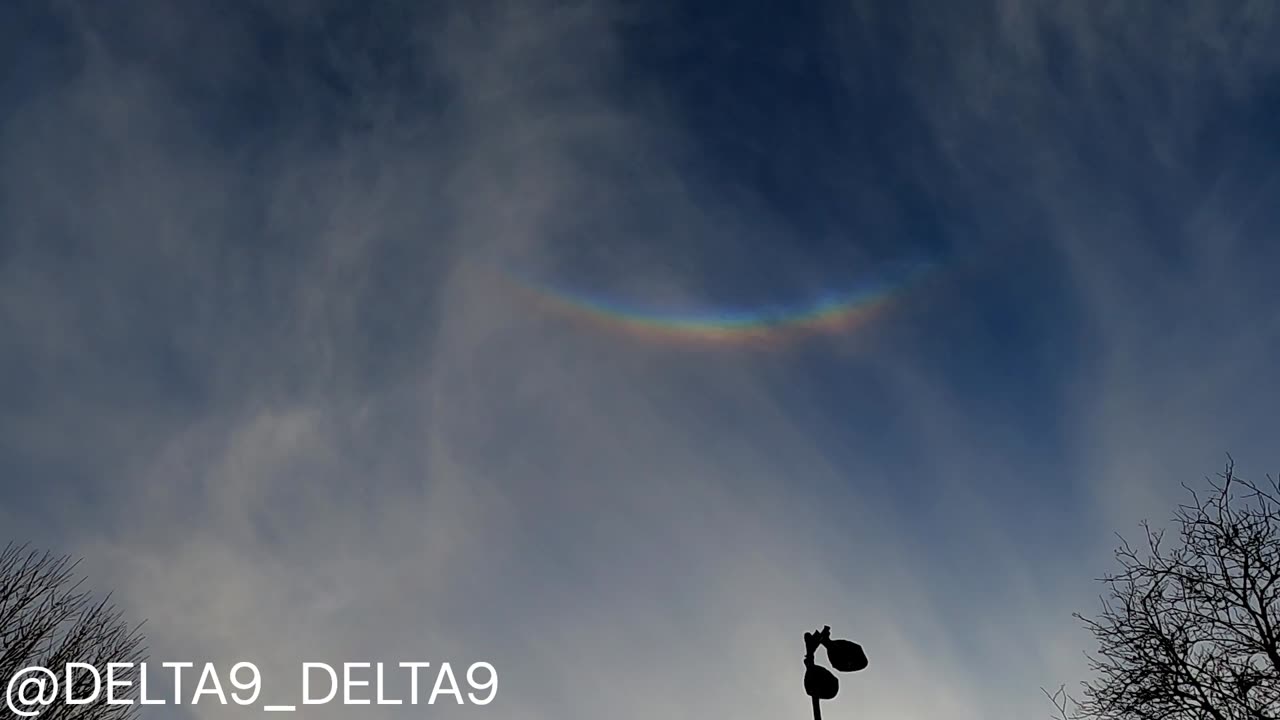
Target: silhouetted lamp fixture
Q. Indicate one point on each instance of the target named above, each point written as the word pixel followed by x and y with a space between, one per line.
pixel 844 655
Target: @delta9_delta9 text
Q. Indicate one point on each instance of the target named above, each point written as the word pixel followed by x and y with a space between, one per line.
pixel 36 688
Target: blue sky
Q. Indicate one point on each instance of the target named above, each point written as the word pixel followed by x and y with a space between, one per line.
pixel 252 374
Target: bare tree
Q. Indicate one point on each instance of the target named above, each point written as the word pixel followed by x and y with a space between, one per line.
pixel 1191 629
pixel 46 620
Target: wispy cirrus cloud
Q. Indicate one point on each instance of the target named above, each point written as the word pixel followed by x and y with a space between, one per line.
pixel 259 384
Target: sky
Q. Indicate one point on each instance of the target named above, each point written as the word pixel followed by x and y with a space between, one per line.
pixel 315 344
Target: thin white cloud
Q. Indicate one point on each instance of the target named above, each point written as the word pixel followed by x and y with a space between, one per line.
pixel 621 531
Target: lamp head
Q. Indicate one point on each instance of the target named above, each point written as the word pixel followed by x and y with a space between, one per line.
pixel 820 683
pixel 845 655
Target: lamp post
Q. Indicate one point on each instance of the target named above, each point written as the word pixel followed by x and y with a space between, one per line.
pixel 844 655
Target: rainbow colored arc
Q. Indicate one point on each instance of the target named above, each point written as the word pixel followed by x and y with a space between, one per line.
pixel 828 313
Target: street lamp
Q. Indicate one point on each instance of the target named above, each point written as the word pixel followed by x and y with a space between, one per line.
pixel 844 655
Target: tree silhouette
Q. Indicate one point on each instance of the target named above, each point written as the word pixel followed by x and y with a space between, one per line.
pixel 1192 629
pixel 46 620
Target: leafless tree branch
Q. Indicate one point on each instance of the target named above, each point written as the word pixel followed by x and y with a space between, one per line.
pixel 47 620
pixel 1191 631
